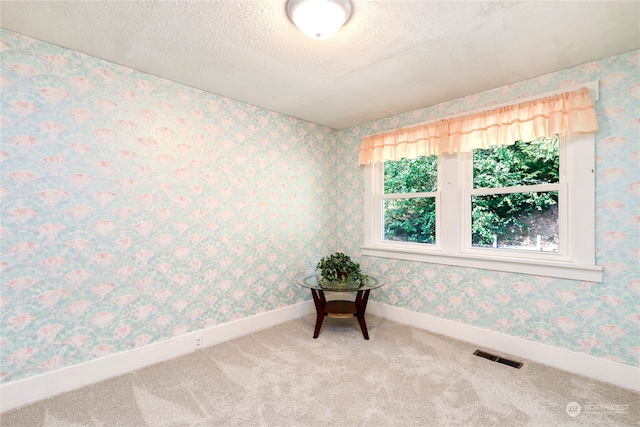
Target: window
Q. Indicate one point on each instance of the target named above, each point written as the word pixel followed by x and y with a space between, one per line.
pixel 525 208
pixel 514 195
pixel 409 200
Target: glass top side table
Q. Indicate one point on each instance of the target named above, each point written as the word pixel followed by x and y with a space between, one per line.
pixel 339 308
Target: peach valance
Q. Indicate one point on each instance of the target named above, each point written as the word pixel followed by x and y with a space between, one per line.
pixel 560 114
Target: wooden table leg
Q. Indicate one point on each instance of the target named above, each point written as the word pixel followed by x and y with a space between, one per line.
pixel 320 301
pixel 361 304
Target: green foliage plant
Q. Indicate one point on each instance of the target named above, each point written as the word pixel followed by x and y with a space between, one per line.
pixel 339 268
pixel 411 219
pixel 508 215
pixel 524 163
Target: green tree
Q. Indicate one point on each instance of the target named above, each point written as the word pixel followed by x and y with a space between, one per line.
pixel 413 219
pixel 524 163
pixel 411 176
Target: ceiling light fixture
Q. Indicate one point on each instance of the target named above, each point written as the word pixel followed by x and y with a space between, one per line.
pixel 319 19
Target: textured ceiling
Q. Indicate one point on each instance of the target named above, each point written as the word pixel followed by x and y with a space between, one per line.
pixel 392 56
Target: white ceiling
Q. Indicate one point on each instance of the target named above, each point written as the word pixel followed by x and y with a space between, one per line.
pixel 392 56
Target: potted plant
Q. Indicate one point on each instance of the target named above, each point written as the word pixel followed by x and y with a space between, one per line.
pixel 340 270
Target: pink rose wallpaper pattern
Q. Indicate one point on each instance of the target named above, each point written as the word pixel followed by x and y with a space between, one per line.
pixel 597 319
pixel 135 209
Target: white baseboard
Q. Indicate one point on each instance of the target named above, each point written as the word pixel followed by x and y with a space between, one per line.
pixel 619 374
pixel 33 389
pixel 30 390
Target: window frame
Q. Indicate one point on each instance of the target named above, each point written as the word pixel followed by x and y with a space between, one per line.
pixel 562 187
pixel 381 196
pixel 576 259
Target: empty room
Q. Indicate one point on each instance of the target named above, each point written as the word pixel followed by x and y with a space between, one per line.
pixel 319 212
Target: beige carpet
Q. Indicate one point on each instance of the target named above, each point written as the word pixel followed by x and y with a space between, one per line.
pixel 403 376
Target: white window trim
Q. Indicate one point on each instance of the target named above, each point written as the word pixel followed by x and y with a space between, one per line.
pixel 466 161
pixel 577 258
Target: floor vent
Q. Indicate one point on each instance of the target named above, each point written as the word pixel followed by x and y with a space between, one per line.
pixel 495 358
pixel 486 355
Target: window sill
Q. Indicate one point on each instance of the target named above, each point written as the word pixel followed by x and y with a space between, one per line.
pixel 562 270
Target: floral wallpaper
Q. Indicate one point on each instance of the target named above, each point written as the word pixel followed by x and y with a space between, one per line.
pixel 135 209
pixel 598 319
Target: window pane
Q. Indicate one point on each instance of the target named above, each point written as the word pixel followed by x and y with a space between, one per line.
pixel 524 163
pixel 411 176
pixel 526 221
pixel 410 220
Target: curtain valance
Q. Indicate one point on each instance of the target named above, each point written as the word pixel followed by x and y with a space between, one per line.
pixel 560 114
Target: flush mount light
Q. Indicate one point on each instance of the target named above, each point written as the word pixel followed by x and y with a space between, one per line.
pixel 319 19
